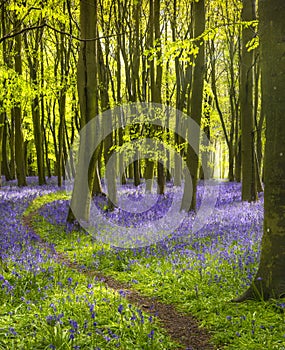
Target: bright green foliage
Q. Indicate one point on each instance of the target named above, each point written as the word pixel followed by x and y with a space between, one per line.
pixel 56 74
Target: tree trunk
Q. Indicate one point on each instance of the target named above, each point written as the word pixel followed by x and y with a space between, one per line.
pixel 17 112
pixel 249 190
pixel 11 137
pixel 259 150
pixel 45 149
pixel 148 174
pixel 179 103
pixel 110 172
pixel 192 158
pixel 157 93
pixel 149 168
pixel 137 178
pixel 86 77
pixel 120 132
pixel 64 52
pixel 231 163
pixel 2 119
pixel 131 170
pixel 61 136
pixel 5 161
pixel 270 278
pixel 238 160
pixel 37 127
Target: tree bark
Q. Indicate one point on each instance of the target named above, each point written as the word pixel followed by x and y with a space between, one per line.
pixel 2 119
pixel 192 158
pixel 150 164
pixel 33 62
pixel 269 281
pixel 157 93
pixel 108 141
pixel 17 112
pixel 86 77
pixel 249 190
pixel 5 161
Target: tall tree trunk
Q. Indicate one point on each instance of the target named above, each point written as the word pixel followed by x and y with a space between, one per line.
pixel 183 79
pixel 269 281
pixel 178 103
pixel 257 145
pixel 2 119
pixel 61 136
pixel 86 77
pixel 45 149
pixel 17 112
pixel 149 168
pixel 238 159
pixel 7 51
pixel 192 158
pixel 36 107
pixel 135 79
pixel 108 141
pixel 2 113
pixel 5 161
pixel 157 94
pixel 249 190
pixel 259 152
pixel 64 49
pixel 233 39
pixel 11 137
pixel 122 170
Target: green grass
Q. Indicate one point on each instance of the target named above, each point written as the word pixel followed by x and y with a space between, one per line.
pixel 203 288
pixel 42 307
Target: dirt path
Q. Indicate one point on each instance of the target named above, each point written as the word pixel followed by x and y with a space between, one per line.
pixel 183 328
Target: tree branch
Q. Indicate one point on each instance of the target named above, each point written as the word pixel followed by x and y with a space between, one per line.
pixel 12 35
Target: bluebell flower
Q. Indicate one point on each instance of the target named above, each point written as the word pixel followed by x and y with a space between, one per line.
pixel 12 331
pixel 150 335
pixel 120 308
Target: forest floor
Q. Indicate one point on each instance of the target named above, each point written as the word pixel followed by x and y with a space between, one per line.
pixel 62 287
pixel 183 328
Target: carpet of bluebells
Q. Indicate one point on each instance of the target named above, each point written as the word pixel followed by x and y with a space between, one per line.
pixel 51 306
